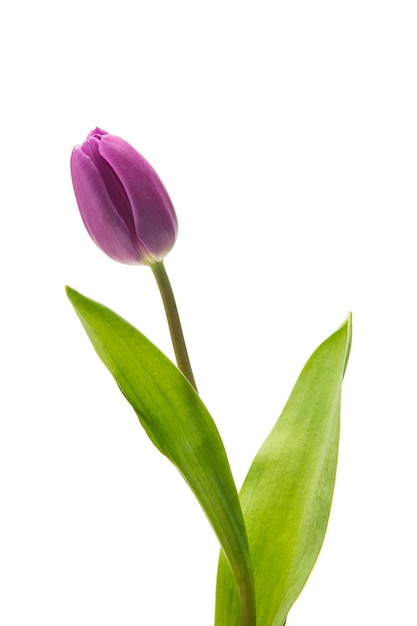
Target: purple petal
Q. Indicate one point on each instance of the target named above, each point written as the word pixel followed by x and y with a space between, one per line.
pixel 97 132
pixel 104 224
pixel 153 213
pixel 110 180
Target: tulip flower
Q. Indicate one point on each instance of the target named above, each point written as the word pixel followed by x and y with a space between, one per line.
pixel 129 215
pixel 123 203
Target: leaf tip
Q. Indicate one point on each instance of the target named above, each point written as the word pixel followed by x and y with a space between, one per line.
pixel 348 324
pixel 71 294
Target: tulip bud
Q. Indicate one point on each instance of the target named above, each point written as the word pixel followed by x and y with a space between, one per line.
pixel 123 203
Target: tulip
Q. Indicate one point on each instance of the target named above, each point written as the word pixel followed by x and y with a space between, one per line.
pixel 123 203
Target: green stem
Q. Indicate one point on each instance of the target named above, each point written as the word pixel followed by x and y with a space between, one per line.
pixel 247 603
pixel 246 590
pixel 174 323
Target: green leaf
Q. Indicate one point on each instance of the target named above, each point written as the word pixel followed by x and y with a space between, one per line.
pixel 179 425
pixel 287 494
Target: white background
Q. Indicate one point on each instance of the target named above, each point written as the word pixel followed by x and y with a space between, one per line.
pixel 286 135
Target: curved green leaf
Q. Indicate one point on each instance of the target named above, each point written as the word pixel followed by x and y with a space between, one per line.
pixel 287 493
pixel 179 425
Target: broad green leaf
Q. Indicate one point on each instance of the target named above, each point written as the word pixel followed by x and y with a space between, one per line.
pixel 287 494
pixel 179 425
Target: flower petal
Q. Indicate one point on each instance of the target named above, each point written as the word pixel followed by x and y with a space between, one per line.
pixel 153 212
pixel 104 224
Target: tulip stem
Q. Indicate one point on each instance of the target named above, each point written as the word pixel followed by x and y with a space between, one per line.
pixel 174 323
pixel 246 590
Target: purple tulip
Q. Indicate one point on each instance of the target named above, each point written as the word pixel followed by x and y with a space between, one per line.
pixel 123 203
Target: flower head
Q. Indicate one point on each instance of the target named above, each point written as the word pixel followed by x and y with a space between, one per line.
pixel 123 203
